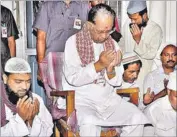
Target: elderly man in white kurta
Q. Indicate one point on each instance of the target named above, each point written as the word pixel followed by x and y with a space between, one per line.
pixel 23 113
pixel 155 82
pixel 162 112
pixel 143 36
pixel 91 68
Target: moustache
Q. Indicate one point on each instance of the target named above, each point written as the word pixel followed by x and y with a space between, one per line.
pixel 171 61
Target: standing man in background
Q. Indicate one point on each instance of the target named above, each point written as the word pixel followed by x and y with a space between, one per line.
pixel 9 33
pixel 55 22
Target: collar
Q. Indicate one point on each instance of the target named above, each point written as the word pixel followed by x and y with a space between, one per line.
pixel 128 85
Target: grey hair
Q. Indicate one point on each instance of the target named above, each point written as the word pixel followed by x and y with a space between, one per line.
pixel 100 9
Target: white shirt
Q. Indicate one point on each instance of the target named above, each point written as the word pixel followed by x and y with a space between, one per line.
pixel 163 118
pixel 42 123
pixel 155 80
pixel 96 104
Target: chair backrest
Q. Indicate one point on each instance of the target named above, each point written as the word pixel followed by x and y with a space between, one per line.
pixel 133 92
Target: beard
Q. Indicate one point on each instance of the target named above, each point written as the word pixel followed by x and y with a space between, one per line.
pixel 12 96
pixel 143 24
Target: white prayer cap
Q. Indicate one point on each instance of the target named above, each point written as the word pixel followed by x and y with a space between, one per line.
pixel 172 81
pixel 162 47
pixel 136 6
pixel 129 57
pixel 17 65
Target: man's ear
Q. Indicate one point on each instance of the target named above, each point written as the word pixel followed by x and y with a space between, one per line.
pixel 145 16
pixel 4 76
pixel 89 25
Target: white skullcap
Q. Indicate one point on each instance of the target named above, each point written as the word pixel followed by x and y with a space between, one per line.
pixel 162 48
pixel 17 65
pixel 129 57
pixel 172 81
pixel 136 6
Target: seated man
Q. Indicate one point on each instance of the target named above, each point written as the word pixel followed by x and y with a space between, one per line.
pixel 23 113
pixel 132 65
pixel 92 66
pixel 162 112
pixel 155 82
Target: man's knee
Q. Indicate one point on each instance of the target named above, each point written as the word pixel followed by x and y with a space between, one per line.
pixel 89 129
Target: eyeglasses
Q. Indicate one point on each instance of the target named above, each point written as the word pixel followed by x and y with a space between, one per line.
pixel 108 32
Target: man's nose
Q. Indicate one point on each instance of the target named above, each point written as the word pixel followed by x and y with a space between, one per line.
pixel 132 21
pixel 171 57
pixel 24 85
pixel 135 75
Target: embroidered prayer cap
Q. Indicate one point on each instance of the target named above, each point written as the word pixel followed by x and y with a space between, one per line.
pixel 17 65
pixel 129 57
pixel 136 6
pixel 172 81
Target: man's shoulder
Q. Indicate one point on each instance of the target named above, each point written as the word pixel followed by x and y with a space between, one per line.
pixel 155 73
pixel 5 10
pixel 153 25
pixel 70 41
pixel 37 96
pixel 72 37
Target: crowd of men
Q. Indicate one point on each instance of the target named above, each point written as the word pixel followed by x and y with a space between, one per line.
pixel 94 65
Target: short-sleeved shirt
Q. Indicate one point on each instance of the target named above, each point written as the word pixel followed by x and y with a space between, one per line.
pixel 7 22
pixel 57 20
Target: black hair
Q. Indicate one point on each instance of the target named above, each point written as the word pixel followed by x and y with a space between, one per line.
pixel 141 13
pixel 7 73
pixel 134 62
pixel 92 13
pixel 169 45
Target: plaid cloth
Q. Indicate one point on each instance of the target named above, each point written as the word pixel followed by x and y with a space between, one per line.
pixel 51 71
pixel 84 46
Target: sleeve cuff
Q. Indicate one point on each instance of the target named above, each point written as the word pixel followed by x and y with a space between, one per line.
pixel 92 72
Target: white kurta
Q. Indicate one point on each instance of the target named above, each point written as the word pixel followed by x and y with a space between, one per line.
pixel 147 48
pixel 42 123
pixel 96 104
pixel 163 118
pixel 155 80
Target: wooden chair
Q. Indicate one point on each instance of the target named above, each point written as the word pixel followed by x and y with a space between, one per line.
pixel 65 130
